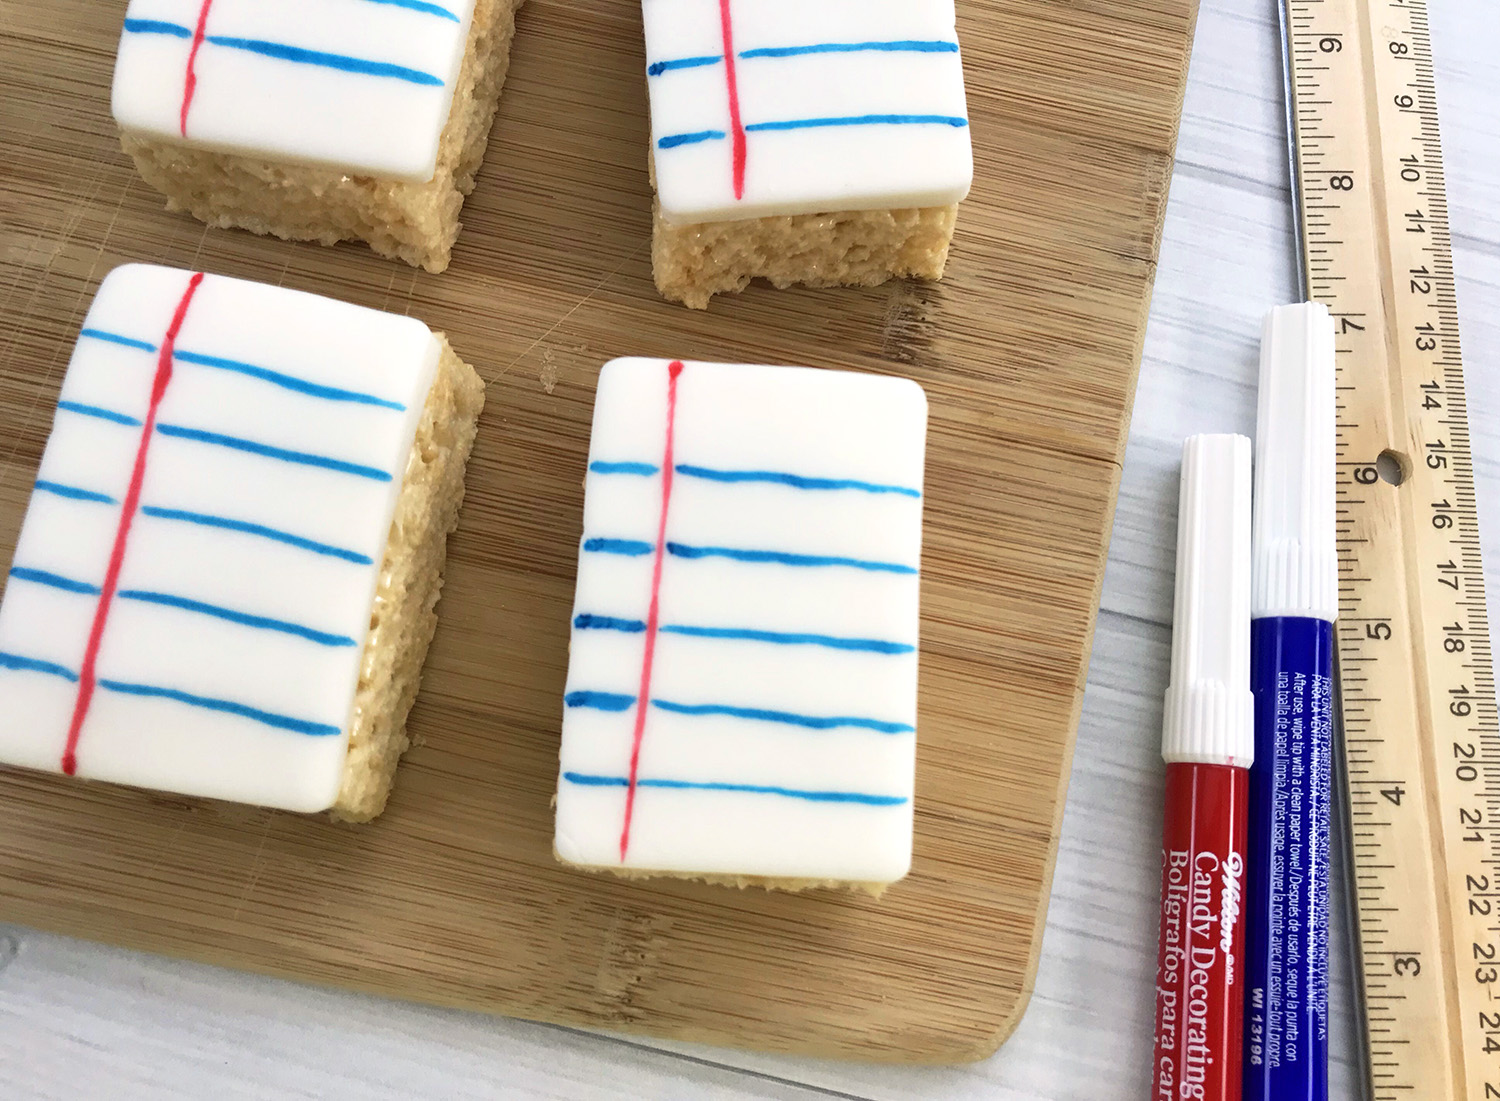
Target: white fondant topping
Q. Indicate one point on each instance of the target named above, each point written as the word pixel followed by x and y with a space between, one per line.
pixel 780 739
pixel 363 85
pixel 230 649
pixel 842 105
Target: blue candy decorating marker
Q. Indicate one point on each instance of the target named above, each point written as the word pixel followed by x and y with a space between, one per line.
pixel 1294 601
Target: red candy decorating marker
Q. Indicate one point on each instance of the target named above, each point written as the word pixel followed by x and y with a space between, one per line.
pixel 1208 743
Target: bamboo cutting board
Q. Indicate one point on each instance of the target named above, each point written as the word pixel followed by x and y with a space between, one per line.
pixel 1028 351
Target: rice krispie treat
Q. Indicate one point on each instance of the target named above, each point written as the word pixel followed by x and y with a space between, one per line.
pixel 806 141
pixel 225 582
pixel 741 702
pixel 315 120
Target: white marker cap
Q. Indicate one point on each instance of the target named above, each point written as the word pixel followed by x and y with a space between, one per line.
pixel 1209 716
pixel 1296 557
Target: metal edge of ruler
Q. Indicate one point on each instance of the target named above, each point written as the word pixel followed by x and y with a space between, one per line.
pixel 1421 743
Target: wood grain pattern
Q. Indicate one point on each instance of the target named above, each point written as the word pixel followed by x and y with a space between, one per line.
pixel 1028 351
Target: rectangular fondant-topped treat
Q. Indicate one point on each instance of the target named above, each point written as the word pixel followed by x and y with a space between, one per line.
pixel 806 141
pixel 315 120
pixel 225 581
pixel 742 690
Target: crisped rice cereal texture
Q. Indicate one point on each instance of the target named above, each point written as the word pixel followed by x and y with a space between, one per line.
pixel 765 882
pixel 415 222
pixel 403 618
pixel 694 262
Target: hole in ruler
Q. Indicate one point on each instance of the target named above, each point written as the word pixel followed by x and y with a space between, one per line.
pixel 1393 467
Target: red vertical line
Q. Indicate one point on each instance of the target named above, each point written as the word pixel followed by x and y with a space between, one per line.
pixel 190 82
pixel 122 532
pixel 643 700
pixel 736 127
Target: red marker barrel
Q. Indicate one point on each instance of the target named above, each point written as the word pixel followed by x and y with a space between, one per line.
pixel 1200 957
pixel 1208 742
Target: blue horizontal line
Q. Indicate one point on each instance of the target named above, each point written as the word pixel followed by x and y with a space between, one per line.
pixel 265 374
pixel 116 338
pixel 421 6
pixel 861 120
pixel 600 701
pixel 645 470
pixel 288 382
pixel 156 26
pixel 672 141
pixel 244 619
pixel 281 722
pixel 631 547
pixel 197 435
pixel 812 722
pixel 832 642
pixel 656 68
pixel 98 412
pixel 282 52
pixel 585 780
pixel 209 521
pixel 36 665
pixel 68 584
pixel 53 580
pixel 899 46
pixel 268 718
pixel 797 481
pixel 73 493
pixel 780 558
pixel 588 622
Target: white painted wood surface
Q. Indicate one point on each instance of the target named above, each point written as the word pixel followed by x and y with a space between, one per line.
pixel 77 1020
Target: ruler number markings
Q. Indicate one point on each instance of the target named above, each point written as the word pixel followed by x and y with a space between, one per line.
pixel 1425 809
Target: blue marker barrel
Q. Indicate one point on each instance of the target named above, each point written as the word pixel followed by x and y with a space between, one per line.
pixel 1286 891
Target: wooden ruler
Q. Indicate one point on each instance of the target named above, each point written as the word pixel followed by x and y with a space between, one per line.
pixel 1421 747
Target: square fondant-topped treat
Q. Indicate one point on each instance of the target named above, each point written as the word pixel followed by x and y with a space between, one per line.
pixel 225 581
pixel 806 141
pixel 320 121
pixel 742 690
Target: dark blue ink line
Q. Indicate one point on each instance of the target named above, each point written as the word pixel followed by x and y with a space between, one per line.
pixel 73 493
pixel 600 701
pixel 862 120
pixel 36 665
pixel 632 547
pixel 268 718
pixel 288 382
pixel 155 26
pixel 265 623
pixel 645 470
pixel 656 68
pixel 283 52
pixel 780 558
pixel 585 780
pixel 98 412
pixel 209 521
pixel 812 722
pixel 672 141
pixel 797 481
pixel 904 46
pixel 116 338
pixel 197 435
pixel 833 642
pixel 587 622
pixel 421 6
pixel 53 580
